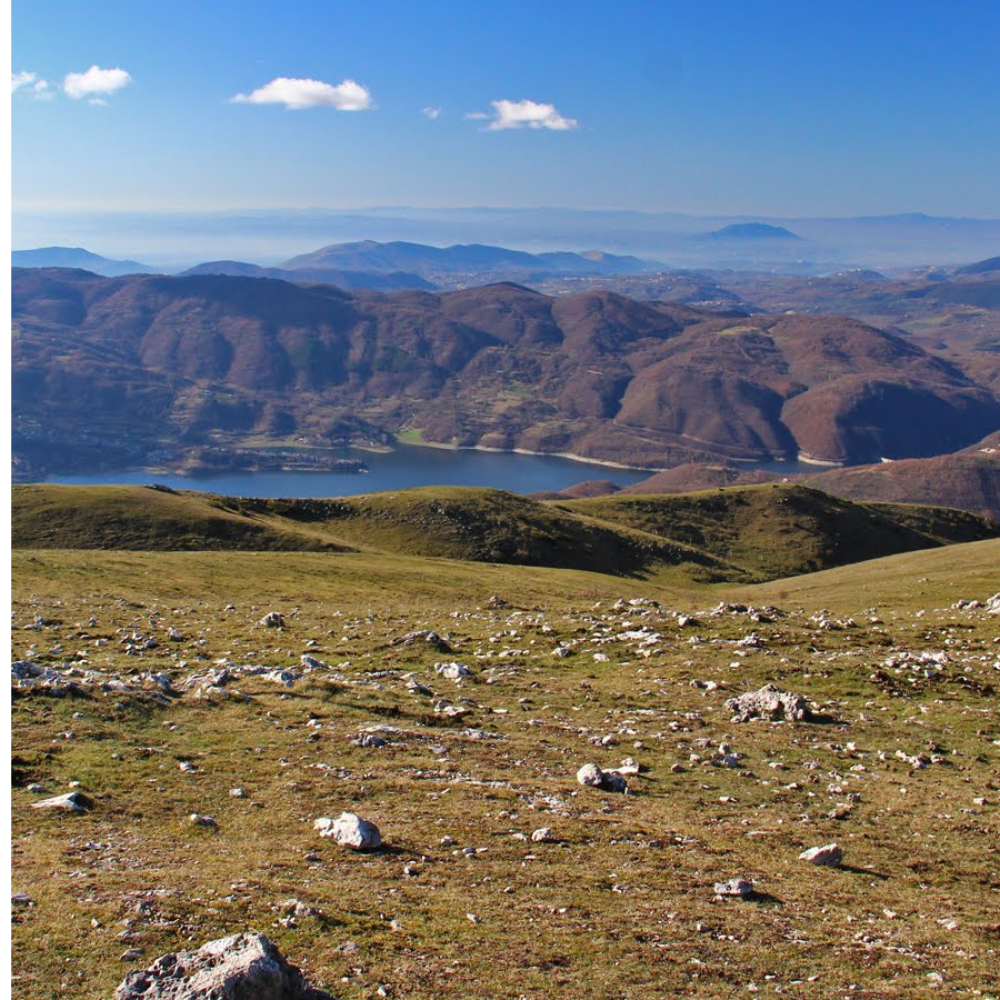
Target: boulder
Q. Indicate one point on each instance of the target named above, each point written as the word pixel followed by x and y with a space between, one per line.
pixel 451 671
pixel 240 967
pixel 350 830
pixel 830 855
pixel 74 802
pixel 734 887
pixel 608 781
pixel 771 703
pixel 273 619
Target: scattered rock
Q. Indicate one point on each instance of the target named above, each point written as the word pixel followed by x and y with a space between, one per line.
pixel 543 836
pixel 734 887
pixel 350 830
pixel 369 740
pixel 423 635
pixel 769 703
pixel 608 781
pixel 451 671
pixel 74 802
pixel 830 855
pixel 240 967
pixel 273 619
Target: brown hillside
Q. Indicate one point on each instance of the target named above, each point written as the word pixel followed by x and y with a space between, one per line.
pixel 150 360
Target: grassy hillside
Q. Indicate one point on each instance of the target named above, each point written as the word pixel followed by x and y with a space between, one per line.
pixel 618 900
pixel 141 517
pixel 747 534
pixel 778 530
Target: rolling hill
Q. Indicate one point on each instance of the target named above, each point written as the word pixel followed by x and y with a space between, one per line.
pixel 738 535
pixel 148 361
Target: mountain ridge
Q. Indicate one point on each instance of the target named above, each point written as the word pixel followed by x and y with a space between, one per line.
pixel 594 374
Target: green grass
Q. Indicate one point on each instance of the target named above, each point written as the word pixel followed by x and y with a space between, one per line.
pixel 413 436
pixel 748 534
pixel 622 904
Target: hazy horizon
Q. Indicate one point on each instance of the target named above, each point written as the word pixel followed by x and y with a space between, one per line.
pixel 716 109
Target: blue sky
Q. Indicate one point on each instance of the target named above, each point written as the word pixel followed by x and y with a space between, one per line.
pixel 708 107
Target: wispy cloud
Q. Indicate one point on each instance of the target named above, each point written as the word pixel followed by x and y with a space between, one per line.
pixel 298 94
pixel 432 113
pixel 525 114
pixel 30 83
pixel 19 80
pixel 96 84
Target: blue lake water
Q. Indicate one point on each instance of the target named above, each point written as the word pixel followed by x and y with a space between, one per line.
pixel 406 466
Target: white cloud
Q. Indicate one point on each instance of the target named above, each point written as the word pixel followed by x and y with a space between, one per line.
pixel 432 113
pixel 19 80
pixel 298 94
pixel 95 83
pixel 477 116
pixel 30 84
pixel 527 114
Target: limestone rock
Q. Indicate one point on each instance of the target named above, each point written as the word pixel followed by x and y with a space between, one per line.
pixel 239 967
pixel 350 830
pixel 608 781
pixel 769 702
pixel 590 774
pixel 734 887
pixel 423 635
pixel 74 802
pixel 830 855
pixel 451 671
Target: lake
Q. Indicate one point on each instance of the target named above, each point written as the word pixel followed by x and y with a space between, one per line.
pixel 406 466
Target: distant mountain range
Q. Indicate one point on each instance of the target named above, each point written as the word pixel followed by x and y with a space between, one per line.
pixel 369 255
pixel 372 265
pixel 143 361
pixel 77 257
pixel 386 281
pixel 753 231
pixel 271 235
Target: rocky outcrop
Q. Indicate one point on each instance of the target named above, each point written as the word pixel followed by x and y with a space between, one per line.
pixel 769 703
pixel 240 967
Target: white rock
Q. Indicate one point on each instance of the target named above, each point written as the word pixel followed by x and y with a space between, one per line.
pixel 830 855
pixel 350 830
pixel 451 671
pixel 590 774
pixel 734 887
pixel 74 802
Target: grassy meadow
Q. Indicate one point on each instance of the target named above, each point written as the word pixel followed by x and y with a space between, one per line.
pixel 901 769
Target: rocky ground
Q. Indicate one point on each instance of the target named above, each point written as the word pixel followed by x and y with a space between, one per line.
pixel 204 733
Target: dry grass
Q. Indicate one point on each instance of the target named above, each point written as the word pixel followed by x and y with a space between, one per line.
pixel 622 904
